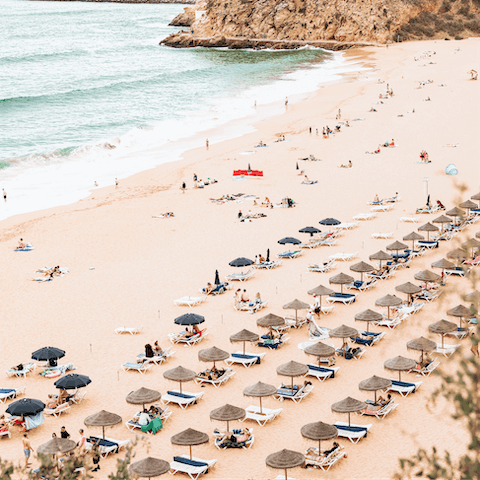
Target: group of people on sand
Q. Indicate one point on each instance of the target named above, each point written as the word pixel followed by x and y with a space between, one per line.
pixel 281 138
pixel 242 297
pixel 144 417
pixel 313 454
pixel 259 259
pixel 376 151
pixel 424 157
pixel 150 352
pixel 185 335
pixel 212 374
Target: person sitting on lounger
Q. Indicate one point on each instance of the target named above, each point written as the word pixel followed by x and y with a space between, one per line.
pixel 376 199
pixel 51 402
pixel 149 354
pixel 63 396
pixel 143 418
pixel 311 453
pixel 423 362
pixel 261 258
pixel 21 244
pixel 209 288
pixel 258 299
pixel 3 424
pixel 384 401
pixel 244 298
pixel 157 349
pixel 195 330
pixel 266 202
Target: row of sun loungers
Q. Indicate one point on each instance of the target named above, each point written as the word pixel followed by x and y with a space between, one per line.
pixel 11 393
pixel 295 394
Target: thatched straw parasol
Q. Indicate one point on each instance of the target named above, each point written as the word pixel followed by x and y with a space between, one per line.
pixel 443 263
pixel 428 227
pixel 244 336
pixel 368 316
pixel 320 292
pixel 442 219
pixel 343 332
pixel 56 445
pixel 426 276
pixel 227 413
pixel 319 431
pixel 380 255
pixel 473 297
pixel 455 212
pixel 149 467
pixel 260 390
pixel 348 405
pixel 413 237
pixel 103 419
pixel 180 374
pixel 408 288
pixel 284 460
pixel 189 437
pixel 270 320
pixel 422 344
pixel 292 369
pixel 396 247
pixel 142 396
pixel 388 301
pixel 472 244
pixel 476 197
pixel 373 384
pixel 212 354
pixel 458 254
pixel 362 267
pixel 296 305
pixel 341 279
pixel 442 328
pixel 460 312
pixel 320 350
pixel 468 204
pixel 400 364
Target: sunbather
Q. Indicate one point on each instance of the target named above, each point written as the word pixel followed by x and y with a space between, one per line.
pixel 258 299
pixel 348 165
pixel 51 402
pixel 312 453
pixel 157 349
pixel 3 424
pixel 208 289
pixel 148 354
pixel 261 258
pixel 143 418
pixel 383 401
pixel 423 362
pixel 244 297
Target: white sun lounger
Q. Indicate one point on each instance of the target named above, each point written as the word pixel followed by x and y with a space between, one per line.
pixel 27 368
pixel 183 399
pixel 346 257
pixel 189 301
pixel 246 359
pixel 130 330
pixel 104 449
pixel 252 307
pixel 132 426
pixel 138 367
pixel 267 415
pixel 346 298
pixel 409 219
pixel 426 371
pixel 246 445
pixel 321 373
pixel 7 393
pixel 159 359
pixel 460 272
pixel 365 216
pixel 181 464
pixel 410 309
pixel 362 286
pixel 290 254
pixel 241 277
pixel 403 388
pixel 326 462
pixel 297 396
pixel 381 208
pixel 5 433
pixel 188 342
pixel 229 373
pixel 293 322
pixel 462 333
pixel 268 265
pixel 346 226
pixel 327 243
pixel 353 432
pixel 392 322
pixel 446 350
pixel 57 411
pixel 78 396
pixel 380 413
pixel 383 236
pixel 322 268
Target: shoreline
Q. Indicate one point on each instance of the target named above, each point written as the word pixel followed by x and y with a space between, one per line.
pixel 181 2
pixel 142 264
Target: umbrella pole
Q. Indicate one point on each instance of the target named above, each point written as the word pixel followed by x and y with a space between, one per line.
pixel 103 430
pixel 244 348
pixel 388 312
pixel 443 339
pixel 375 397
pixel 260 405
pixel 341 288
pixel 286 478
pixel 368 326
pixel 228 426
pixel 190 452
pixel 348 418
pixel 399 375
pixel 296 316
pixel 319 445
pixel 180 387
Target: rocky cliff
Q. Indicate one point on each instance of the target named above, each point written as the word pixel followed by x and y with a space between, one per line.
pixel 376 21
pixel 184 19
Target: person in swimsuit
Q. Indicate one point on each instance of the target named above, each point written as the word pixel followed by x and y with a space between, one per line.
pixel 27 448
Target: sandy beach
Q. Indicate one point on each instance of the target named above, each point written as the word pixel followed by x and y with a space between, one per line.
pixel 142 264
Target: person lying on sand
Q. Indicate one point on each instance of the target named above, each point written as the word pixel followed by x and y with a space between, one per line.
pixel 389 144
pixel 348 165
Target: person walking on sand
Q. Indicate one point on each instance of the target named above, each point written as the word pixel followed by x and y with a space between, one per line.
pixel 286 101
pixel 116 182
pixel 206 143
pixel 81 442
pixel 27 448
pixel 4 195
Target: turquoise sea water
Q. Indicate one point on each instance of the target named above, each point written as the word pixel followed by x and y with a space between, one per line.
pixel 76 76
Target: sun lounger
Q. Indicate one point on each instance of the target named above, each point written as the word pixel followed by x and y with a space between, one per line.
pixel 217 382
pixel 428 210
pixel 267 414
pixel 188 342
pixel 193 467
pixel 10 393
pixel 132 425
pixel 27 368
pixel 394 199
pixel 325 462
pixel 459 271
pixel 268 265
pixel 250 307
pixel 403 388
pixel 410 309
pixel 320 333
pixel 57 411
pixel 322 268
pixel 425 371
pixel 365 216
pixel 130 330
pixel 381 413
pixel 321 373
pixel 5 433
pixel 384 276
pixel 409 219
pixel 362 286
pixel 357 355
pixel 327 243
pixel 273 344
pixel 427 244
pixel 183 399
pixel 293 322
pixel 290 254
pixel 353 432
pixel 446 350
pixel 345 298
pixel 372 340
pixel 138 367
pixel 474 262
pixel 392 322
pixel 381 208
pixel 461 332
pixel 346 257
pixel 383 236
pixel 223 445
pixel 78 396
pixel 241 277
pixel 427 295
pixel 247 359
pixel 159 359
pixel 107 446
pixel 189 301
pixel 218 289
pixel 297 395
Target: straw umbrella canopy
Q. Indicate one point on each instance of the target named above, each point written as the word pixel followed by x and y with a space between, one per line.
pixel 468 204
pixel 396 247
pixel 180 374
pixel 422 344
pixel 458 253
pixel 343 332
pixel 362 267
pixel 472 243
pixel 320 350
pixel 285 459
pixel 459 311
pixel 227 413
pixel 455 212
pixel 260 390
pixel 296 305
pixel 348 405
pixel 189 437
pixel 212 354
pixel 428 227
pixel 149 467
pixel 443 264
pixel 142 396
pixel 270 320
pixel 388 301
pixel 103 419
pixel 473 297
pixel 292 369
pixel 374 383
pixel 320 292
pixel 380 255
pixel 368 316
pixel 477 235
pixel 244 336
pixel 400 364
pixel 426 276
pixel 319 431
pixel 413 236
pixel 442 219
pixel 476 197
pixel 442 328
pixel 341 279
pixel 408 288
pixel 56 445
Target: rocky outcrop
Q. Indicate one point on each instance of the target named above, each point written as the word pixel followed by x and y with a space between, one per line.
pixel 128 1
pixel 184 19
pixel 345 21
